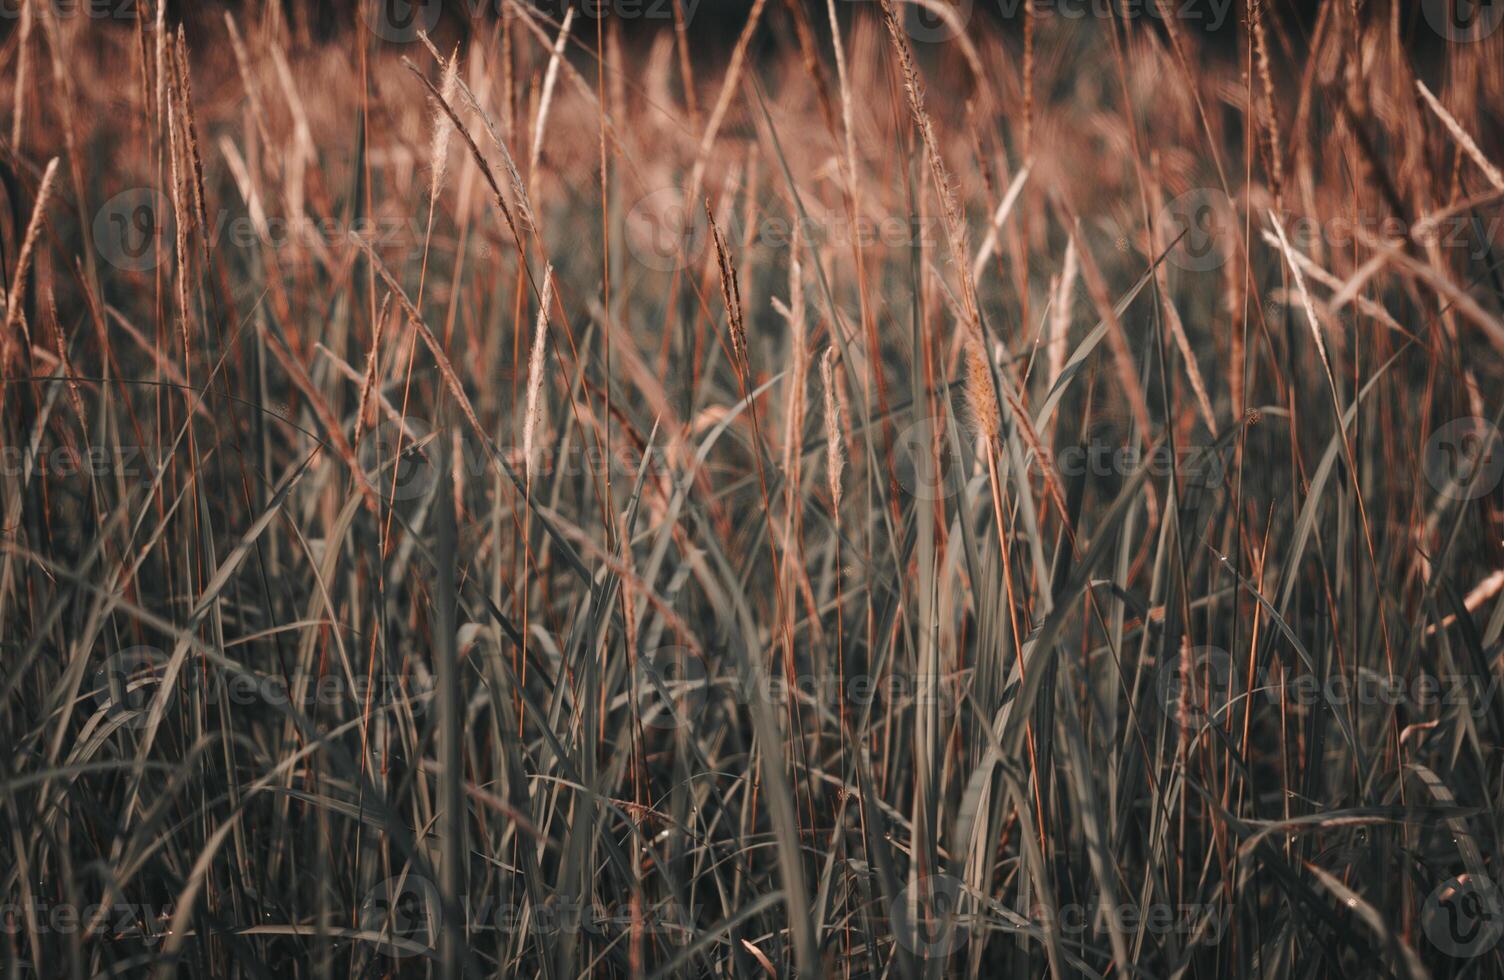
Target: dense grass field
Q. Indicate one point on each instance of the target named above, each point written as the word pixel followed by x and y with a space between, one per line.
pixel 783 489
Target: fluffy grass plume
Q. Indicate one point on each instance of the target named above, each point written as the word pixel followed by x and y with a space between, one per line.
pixel 415 559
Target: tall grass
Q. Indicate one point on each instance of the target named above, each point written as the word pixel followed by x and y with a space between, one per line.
pixel 554 499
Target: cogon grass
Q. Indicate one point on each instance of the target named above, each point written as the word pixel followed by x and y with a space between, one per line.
pixel 949 694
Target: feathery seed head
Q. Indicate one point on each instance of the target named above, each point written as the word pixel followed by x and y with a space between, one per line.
pixel 443 128
pixel 980 397
pixel 535 372
pixel 835 456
